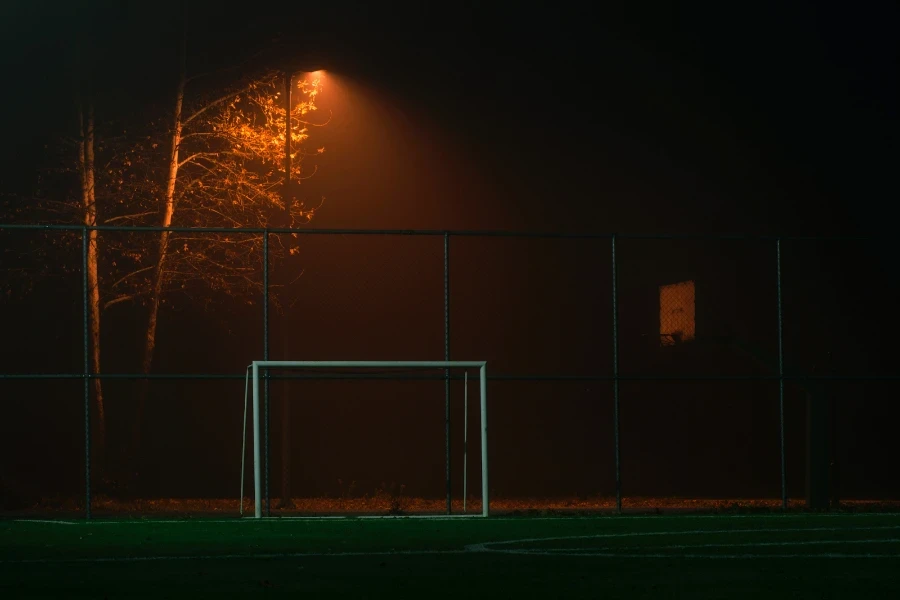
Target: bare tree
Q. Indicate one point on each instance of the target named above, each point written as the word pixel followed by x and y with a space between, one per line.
pixel 216 160
pixel 222 169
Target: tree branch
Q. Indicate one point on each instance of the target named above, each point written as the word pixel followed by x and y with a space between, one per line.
pixel 214 103
pixel 134 216
pixel 196 155
pixel 118 300
pixel 133 273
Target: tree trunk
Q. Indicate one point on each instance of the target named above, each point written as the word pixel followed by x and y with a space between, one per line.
pixel 159 272
pixel 88 196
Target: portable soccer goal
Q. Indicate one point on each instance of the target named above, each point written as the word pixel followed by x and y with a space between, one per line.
pixel 258 368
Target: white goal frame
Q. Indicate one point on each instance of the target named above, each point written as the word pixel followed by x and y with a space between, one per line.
pixel 367 364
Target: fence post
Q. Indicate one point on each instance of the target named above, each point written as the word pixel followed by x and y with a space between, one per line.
pixel 447 371
pixel 784 502
pixel 615 355
pixel 266 353
pixel 85 240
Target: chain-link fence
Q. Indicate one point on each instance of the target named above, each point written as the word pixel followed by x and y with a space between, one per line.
pixel 625 371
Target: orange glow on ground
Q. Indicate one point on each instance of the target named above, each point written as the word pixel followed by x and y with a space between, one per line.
pixel 410 505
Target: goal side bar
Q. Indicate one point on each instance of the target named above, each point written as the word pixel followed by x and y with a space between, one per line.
pixel 368 364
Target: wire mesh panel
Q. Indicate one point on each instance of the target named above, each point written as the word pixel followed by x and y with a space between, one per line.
pixel 42 431
pixel 41 303
pixel 839 307
pixel 42 444
pixel 551 445
pixel 797 396
pixel 532 305
pixel 842 441
pixel 362 442
pixel 862 453
pixel 699 440
pixel 205 319
pixel 180 455
pixel 358 297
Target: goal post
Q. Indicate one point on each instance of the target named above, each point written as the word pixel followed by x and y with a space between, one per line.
pixel 257 365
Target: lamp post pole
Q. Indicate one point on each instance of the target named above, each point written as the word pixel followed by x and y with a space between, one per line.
pixel 287 198
pixel 285 390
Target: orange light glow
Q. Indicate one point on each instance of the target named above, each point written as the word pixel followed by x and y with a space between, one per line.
pixel 676 313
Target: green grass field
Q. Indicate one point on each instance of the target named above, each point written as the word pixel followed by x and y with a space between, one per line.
pixel 754 556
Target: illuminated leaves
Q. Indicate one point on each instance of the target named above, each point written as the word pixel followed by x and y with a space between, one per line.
pixel 232 176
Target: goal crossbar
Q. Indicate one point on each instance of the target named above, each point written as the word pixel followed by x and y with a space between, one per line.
pixel 367 364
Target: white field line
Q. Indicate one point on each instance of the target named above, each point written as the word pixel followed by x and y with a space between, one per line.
pixel 490 547
pixel 483 547
pixel 498 547
pixel 52 522
pixel 803 543
pixel 702 556
pixel 737 545
pixel 270 556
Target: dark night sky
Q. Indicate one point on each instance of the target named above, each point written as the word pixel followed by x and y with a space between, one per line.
pixel 767 118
